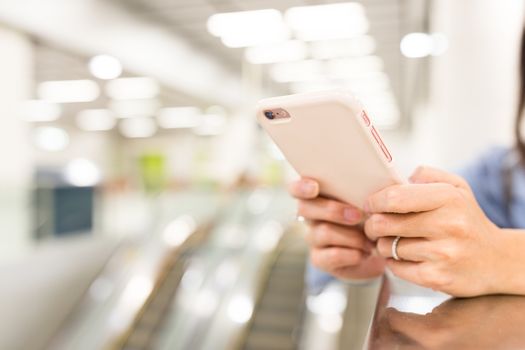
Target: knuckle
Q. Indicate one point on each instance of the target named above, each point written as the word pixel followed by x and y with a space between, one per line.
pixel 448 254
pixel 355 257
pixel 322 233
pixel 435 279
pixel 369 230
pixel 455 196
pixel 383 247
pixel 351 257
pixel 377 223
pixel 334 258
pixel 392 198
pixel 458 225
pixel 316 260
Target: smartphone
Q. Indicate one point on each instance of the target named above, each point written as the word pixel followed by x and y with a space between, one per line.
pixel 328 136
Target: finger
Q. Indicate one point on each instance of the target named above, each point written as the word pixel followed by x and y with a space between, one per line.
pixel 404 225
pixel 425 174
pixel 425 274
pixel 408 249
pixel 331 259
pixel 407 270
pixel 323 235
pixel 322 209
pixel 304 188
pixel 409 198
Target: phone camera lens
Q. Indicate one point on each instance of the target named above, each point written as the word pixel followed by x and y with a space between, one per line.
pixel 269 115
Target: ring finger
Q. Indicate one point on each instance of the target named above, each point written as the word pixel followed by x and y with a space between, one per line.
pixel 409 249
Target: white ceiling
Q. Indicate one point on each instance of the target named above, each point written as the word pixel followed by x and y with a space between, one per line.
pixel 389 21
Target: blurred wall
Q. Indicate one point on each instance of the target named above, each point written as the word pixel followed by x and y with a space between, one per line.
pixel 15 150
pixel 474 85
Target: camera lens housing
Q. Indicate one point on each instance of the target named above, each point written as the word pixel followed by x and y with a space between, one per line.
pixel 269 115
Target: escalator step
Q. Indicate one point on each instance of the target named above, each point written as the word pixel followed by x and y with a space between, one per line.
pixel 269 340
pixel 279 309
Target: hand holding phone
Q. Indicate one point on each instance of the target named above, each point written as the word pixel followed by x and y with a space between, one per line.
pixel 337 242
pixel 329 139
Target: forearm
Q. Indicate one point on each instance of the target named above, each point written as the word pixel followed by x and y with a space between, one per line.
pixel 511 270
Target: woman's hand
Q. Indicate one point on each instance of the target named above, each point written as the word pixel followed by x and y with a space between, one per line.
pixel 447 243
pixel 337 242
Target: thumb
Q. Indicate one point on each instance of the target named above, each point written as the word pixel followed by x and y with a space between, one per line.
pixel 425 174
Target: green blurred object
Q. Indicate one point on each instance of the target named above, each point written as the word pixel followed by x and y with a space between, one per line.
pixel 153 172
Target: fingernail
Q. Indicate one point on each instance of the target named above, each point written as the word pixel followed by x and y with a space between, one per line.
pixel 351 215
pixel 308 188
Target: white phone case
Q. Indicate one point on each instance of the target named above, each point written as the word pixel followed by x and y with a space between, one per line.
pixel 329 137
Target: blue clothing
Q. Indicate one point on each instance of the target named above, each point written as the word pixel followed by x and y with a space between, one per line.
pixel 486 178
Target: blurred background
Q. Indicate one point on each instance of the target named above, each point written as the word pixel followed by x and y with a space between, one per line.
pixel 142 207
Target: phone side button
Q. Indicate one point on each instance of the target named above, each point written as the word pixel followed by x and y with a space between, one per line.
pixel 365 118
pixel 381 144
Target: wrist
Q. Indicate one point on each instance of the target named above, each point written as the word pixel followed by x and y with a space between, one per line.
pixel 509 272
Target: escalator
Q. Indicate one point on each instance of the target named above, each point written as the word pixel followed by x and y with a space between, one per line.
pixel 141 275
pixel 278 314
pixel 142 333
pixel 237 282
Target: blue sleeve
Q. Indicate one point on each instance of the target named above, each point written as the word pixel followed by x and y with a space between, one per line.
pixel 316 279
pixel 485 178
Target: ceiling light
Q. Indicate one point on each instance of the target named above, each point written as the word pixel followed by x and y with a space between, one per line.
pixel 359 46
pixel 66 91
pixel 50 138
pixel 137 127
pixel 105 67
pixel 95 120
pixel 179 117
pixel 82 172
pixel 416 45
pixel 132 88
pixel 332 21
pixel 249 28
pixel 40 111
pixel 133 108
pixel 293 50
